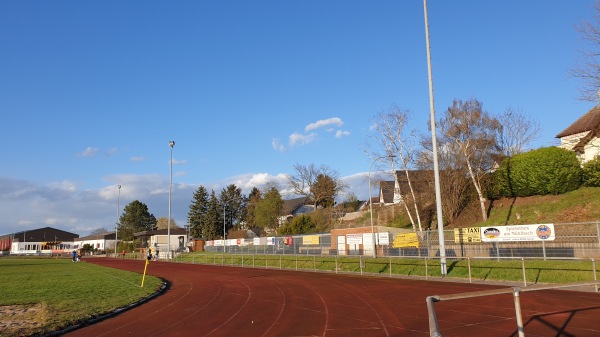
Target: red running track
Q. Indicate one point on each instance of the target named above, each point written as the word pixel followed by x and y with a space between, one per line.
pixel 206 300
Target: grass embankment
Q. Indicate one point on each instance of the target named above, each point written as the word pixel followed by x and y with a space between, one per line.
pixel 536 271
pixel 51 294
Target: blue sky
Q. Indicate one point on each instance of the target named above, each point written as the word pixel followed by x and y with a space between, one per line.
pixel 91 92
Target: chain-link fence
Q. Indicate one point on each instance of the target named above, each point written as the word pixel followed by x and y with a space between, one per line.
pixel 569 240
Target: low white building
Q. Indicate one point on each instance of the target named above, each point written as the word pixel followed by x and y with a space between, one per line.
pixel 100 242
pixel 161 239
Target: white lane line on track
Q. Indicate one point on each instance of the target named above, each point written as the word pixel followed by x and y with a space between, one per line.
pixel 280 312
pixel 371 307
pixel 237 312
pixel 324 305
pixel 216 295
pixel 191 286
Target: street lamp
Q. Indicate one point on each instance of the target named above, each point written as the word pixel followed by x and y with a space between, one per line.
pixel 371 202
pixel 171 144
pixel 117 222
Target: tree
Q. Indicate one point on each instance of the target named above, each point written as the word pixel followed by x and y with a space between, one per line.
pixel 469 132
pixel 163 223
pixel 213 219
pixel 397 141
pixel 588 69
pixel 268 210
pixel 306 182
pixel 253 198
pixel 232 203
pixel 135 218
pixel 516 132
pixel 301 224
pixel 197 212
pixel 99 230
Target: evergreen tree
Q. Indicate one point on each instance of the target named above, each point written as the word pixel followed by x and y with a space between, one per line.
pixel 135 218
pixel 212 226
pixel 198 210
pixel 254 197
pixel 232 202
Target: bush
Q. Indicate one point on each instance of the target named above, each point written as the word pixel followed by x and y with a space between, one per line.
pixel 300 224
pixel 549 170
pixel 591 173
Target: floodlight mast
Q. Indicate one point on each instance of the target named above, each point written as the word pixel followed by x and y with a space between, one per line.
pixel 436 173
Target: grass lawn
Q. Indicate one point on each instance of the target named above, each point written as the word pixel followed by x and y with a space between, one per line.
pixel 536 271
pixel 51 294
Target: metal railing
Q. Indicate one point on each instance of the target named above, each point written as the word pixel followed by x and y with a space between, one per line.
pixel 434 330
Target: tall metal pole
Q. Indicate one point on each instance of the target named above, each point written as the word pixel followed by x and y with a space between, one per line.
pixel 224 243
pixel 171 144
pixel 371 204
pixel 117 222
pixel 436 173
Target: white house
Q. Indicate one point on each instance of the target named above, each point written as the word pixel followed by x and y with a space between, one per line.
pixel 583 136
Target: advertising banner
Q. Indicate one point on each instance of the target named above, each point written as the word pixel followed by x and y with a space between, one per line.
pixel 310 240
pixel 467 235
pixel 354 239
pixel 383 238
pixel 539 232
pixel 406 240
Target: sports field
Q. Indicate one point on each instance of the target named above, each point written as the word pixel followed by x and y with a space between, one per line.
pixel 230 301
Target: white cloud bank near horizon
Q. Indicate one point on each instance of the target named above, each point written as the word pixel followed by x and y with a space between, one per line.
pixel 67 206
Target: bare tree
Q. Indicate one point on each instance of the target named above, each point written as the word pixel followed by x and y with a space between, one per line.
pixel 308 181
pixel 516 132
pixel 99 230
pixel 397 141
pixel 588 68
pixel 163 223
pixel 469 132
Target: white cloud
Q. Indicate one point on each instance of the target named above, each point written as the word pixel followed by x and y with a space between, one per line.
pixel 64 205
pixel 324 122
pixel 64 185
pixel 277 145
pixel 179 162
pixel 136 159
pixel 297 138
pixel 89 152
pixel 340 133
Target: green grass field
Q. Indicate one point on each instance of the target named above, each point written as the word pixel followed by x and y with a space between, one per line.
pixel 56 293
pixel 536 271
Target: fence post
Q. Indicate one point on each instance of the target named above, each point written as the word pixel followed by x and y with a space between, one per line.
pixel 544 249
pixel 315 262
pixel 594 269
pixel 469 267
pixel 296 262
pixel 426 273
pixel 518 312
pixel 390 266
pixel 361 264
pixel 598 232
pixel 336 265
pixel 524 275
pixel 279 261
pixel 242 260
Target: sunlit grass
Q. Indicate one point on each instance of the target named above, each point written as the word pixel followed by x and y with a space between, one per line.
pixel 536 271
pixel 69 292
